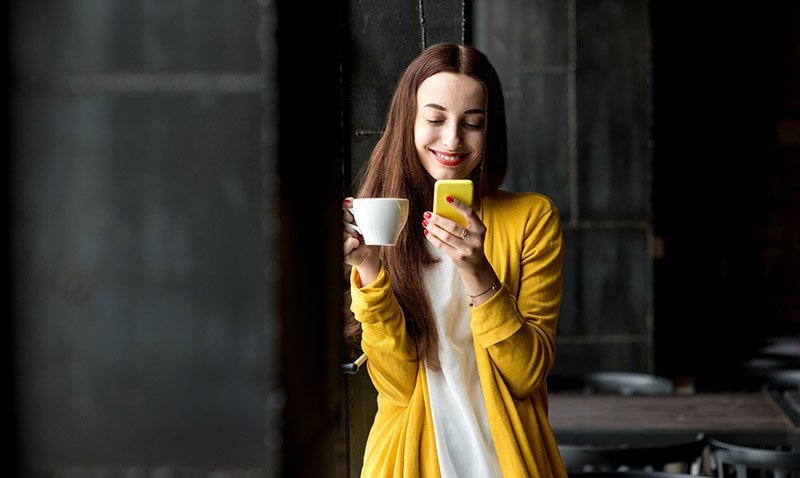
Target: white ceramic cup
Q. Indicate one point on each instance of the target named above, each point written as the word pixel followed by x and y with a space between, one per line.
pixel 380 220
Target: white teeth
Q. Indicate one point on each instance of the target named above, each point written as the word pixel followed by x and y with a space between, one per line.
pixel 447 158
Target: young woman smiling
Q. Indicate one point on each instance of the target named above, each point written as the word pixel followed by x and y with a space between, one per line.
pixel 458 323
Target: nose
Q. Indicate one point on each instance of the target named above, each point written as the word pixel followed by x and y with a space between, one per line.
pixel 451 136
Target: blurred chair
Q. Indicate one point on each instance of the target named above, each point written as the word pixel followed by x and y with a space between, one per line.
pixel 684 456
pixel 764 362
pixel 783 380
pixel 626 383
pixel 770 370
pixel 743 460
pixel 747 375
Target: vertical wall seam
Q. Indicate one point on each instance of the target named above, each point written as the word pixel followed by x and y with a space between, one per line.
pixel 423 33
pixel 650 274
pixel 266 36
pixel 344 118
pixel 463 21
pixel 572 112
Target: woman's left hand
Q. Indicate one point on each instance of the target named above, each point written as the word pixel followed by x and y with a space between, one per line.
pixel 463 245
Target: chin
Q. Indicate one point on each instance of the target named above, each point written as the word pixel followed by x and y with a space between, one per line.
pixel 449 175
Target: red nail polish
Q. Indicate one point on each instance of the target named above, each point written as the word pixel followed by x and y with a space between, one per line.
pixel 448 199
pixel 425 224
pixel 426 215
pixel 425 231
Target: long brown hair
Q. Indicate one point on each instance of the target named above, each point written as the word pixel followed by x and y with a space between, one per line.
pixel 394 170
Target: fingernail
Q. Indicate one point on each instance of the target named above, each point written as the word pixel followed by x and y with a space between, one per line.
pixel 448 199
pixel 425 231
pixel 426 215
pixel 425 224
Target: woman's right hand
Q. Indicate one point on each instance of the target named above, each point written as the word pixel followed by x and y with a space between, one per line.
pixel 357 254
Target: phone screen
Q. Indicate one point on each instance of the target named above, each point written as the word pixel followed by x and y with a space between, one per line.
pixel 460 189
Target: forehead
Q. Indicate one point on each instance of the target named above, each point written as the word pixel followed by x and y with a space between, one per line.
pixel 452 91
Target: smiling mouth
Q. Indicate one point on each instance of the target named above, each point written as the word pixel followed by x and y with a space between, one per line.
pixel 449 159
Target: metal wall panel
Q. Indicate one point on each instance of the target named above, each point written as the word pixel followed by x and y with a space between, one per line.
pixel 445 21
pixel 611 268
pixel 523 35
pixel 144 234
pixel 134 302
pixel 576 76
pixel 614 129
pixel 538 127
pixel 103 36
pixel 383 39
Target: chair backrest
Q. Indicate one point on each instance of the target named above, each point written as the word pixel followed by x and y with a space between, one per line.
pixel 633 457
pixel 763 363
pixel 736 460
pixel 788 379
pixel 627 383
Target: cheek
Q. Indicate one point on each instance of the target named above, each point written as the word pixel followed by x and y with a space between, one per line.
pixel 478 142
pixel 423 137
pixel 421 131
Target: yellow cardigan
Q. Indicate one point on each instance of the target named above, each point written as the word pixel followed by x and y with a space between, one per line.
pixel 514 340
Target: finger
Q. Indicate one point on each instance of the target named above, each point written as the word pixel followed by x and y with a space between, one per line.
pixel 350 244
pixel 438 242
pixel 347 234
pixel 452 245
pixel 446 225
pixel 348 228
pixel 465 210
pixel 347 204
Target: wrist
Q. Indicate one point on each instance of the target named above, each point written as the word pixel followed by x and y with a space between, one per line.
pixel 368 269
pixel 482 296
pixel 480 282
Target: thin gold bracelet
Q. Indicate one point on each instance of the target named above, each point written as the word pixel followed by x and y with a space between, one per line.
pixel 495 287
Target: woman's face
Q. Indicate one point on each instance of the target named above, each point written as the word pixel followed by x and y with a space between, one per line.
pixel 449 129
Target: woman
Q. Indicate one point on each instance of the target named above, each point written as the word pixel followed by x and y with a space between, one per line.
pixel 458 324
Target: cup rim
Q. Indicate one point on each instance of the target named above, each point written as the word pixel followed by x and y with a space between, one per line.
pixel 381 199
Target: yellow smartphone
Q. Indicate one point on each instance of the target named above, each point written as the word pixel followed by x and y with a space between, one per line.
pixel 460 189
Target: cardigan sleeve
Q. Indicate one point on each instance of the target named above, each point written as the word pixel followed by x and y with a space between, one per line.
pixel 392 360
pixel 519 332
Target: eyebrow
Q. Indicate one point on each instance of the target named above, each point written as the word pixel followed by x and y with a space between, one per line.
pixel 442 108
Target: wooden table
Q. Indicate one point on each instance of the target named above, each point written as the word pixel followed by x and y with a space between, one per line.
pixel 744 416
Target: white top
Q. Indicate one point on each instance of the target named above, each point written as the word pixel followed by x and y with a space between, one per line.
pixel 463 441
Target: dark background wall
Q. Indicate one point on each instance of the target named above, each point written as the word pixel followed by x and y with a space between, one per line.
pixel 173 293
pixel 726 183
pixel 143 240
pixel 668 137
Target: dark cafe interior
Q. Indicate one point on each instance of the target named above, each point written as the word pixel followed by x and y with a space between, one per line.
pixel 174 267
